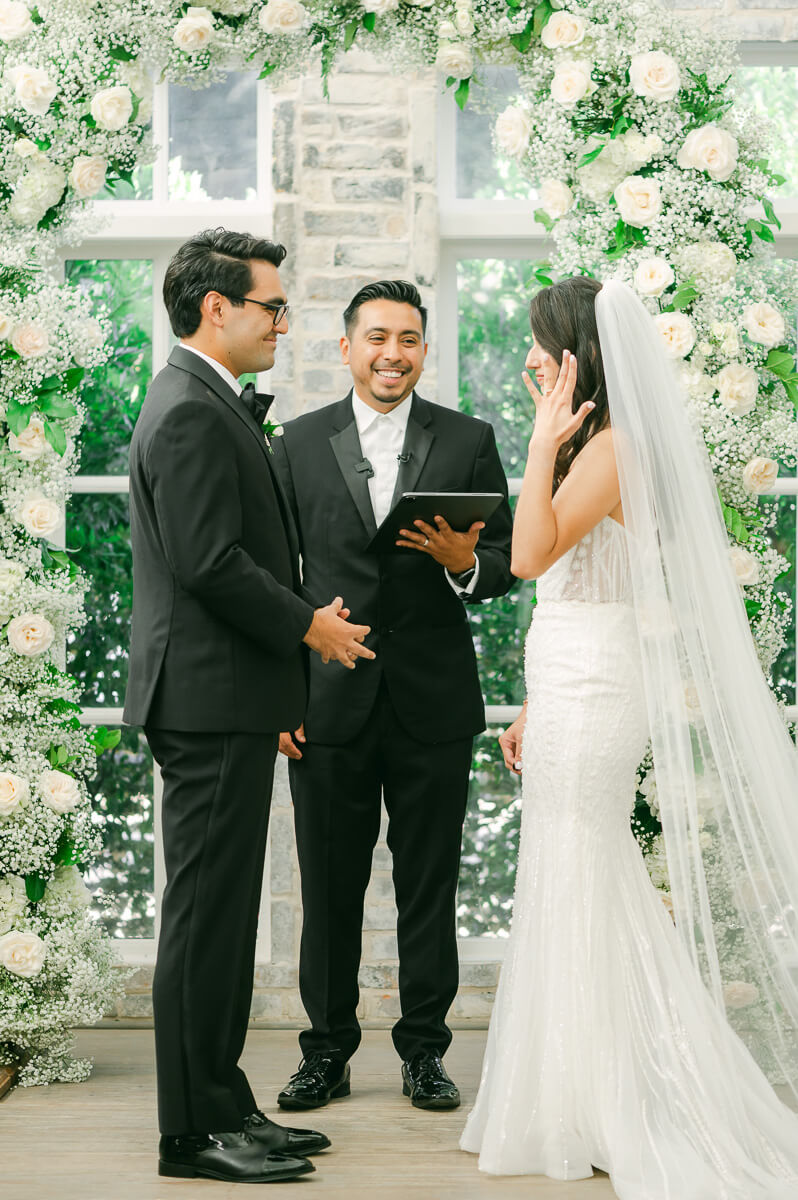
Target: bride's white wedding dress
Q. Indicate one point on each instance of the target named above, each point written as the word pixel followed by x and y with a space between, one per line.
pixel 605 1048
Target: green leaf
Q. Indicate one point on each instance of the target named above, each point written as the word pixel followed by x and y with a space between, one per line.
pixel 735 523
pixel 120 54
pixel 350 32
pixel 621 125
pixel 770 212
pixel 591 156
pixel 683 297
pixel 542 13
pixel 35 887
pixel 369 21
pixel 103 739
pixel 55 436
pixel 541 274
pixel 461 95
pixel 523 40
pixel 752 607
pixel 57 406
pixel 52 383
pixel 18 416
pixel 781 363
pixel 267 69
pixel 543 218
pixel 67 853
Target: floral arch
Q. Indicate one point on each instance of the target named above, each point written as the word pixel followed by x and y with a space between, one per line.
pixel 647 169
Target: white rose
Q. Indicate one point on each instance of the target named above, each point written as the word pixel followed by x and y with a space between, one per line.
pixel 653 276
pixel 22 953
pixel 726 333
pixel 32 87
pixel 6 325
pixel 39 515
pixel 739 994
pixel 13 901
pixel 746 566
pixel 571 83
pixel 556 198
pixel 648 788
pixel 513 131
pixel 282 16
pixel 31 444
pixel 737 386
pixel 59 791
pixel 708 261
pixel 11 575
pixel 87 176
pixel 760 474
pixel 598 179
pixel 563 29
pixel 30 340
pixel 112 107
pixel 463 22
pixel 654 145
pixel 710 149
pixel 420 3
pixel 40 189
pixel 66 887
pixel 25 148
pixel 456 59
pixel 194 31
pixel 696 383
pixel 380 7
pixel 639 200
pixel 15 20
pixel 677 333
pixel 30 635
pixel 14 792
pixel 764 324
pixel 654 75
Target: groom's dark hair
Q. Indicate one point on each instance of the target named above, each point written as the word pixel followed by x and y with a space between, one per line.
pixel 398 290
pixel 215 260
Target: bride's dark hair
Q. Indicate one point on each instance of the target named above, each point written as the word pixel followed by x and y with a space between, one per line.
pixel 563 317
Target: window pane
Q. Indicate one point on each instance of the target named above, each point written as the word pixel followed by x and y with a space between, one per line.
pixel 99 526
pixel 499 629
pixel 123 288
pixel 123 806
pixel 490 843
pixel 773 91
pixel 139 187
pixel 481 172
pixel 782 536
pixel 213 151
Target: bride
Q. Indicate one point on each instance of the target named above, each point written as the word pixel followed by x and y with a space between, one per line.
pixel 609 1044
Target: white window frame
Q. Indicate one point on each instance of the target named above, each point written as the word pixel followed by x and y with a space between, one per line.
pixel 152 230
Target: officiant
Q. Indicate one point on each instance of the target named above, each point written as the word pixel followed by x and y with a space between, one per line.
pixel 401 728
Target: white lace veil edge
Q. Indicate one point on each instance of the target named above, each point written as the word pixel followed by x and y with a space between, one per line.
pixel 726 769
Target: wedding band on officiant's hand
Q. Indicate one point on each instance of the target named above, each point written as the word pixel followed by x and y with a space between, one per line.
pixel 425 542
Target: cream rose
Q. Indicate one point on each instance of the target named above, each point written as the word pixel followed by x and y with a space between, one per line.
pixel 746 566
pixel 710 149
pixel 639 200
pixel 31 444
pixel 653 276
pixel 59 791
pixel 30 340
pixel 13 901
pixel 709 261
pixel 571 83
pixel 381 7
pixel 194 31
pixel 464 22
pixel 677 332
pixel 513 131
pixel 556 198
pixel 40 189
pixel 599 178
pixel 456 59
pixel 30 635
pixel 11 574
pixel 563 29
pixel 22 953
pixel 738 386
pixel 39 515
pixel 14 792
pixel 33 88
pixel 15 20
pixel 760 474
pixel 739 994
pixel 25 148
pixel 6 325
pixel 112 107
pixel 655 75
pixel 764 324
pixel 87 176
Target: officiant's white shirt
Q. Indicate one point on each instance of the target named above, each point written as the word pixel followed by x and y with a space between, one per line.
pixel 218 367
pixel 382 436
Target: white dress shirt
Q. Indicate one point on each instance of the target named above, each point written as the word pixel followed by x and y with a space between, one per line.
pixel 382 437
pixel 220 368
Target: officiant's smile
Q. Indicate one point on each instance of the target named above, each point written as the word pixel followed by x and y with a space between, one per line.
pixel 384 348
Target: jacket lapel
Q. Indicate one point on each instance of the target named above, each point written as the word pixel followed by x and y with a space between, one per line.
pixel 417 445
pixel 345 445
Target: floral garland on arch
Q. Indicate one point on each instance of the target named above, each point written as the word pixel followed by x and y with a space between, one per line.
pixel 626 120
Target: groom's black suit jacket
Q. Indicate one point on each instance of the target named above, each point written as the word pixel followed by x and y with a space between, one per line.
pixel 217 624
pixel 420 631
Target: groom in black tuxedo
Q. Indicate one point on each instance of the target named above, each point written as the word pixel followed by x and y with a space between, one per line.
pixel 403 728
pixel 217 669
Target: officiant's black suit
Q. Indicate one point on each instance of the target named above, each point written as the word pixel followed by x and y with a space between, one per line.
pixel 217 669
pixel 403 724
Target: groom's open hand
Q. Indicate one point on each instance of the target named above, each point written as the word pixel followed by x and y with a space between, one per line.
pixel 331 636
pixel 453 550
pixel 288 743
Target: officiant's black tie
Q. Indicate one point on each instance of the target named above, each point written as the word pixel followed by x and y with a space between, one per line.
pixel 258 403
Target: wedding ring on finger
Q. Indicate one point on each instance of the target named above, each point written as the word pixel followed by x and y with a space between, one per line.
pixel 425 542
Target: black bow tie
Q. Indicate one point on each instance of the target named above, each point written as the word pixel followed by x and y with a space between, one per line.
pixel 258 403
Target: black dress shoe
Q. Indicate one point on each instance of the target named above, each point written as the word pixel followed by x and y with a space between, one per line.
pixel 279 1140
pixel 425 1081
pixel 320 1078
pixel 232 1157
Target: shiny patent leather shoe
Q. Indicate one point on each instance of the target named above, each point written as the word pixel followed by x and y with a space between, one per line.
pixel 231 1157
pixel 320 1078
pixel 425 1081
pixel 278 1140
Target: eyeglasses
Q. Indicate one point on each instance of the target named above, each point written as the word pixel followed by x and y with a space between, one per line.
pixel 278 311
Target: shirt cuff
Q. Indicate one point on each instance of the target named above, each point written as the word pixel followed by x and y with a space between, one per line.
pixel 465 583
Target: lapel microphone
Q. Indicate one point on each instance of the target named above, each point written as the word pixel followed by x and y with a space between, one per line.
pixel 404 458
pixel 365 467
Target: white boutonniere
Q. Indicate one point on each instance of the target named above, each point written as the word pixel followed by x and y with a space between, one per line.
pixel 271 429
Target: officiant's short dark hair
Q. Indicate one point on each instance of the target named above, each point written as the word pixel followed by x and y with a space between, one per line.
pixel 215 260
pixel 398 290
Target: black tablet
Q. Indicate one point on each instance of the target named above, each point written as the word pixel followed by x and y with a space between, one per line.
pixel 460 509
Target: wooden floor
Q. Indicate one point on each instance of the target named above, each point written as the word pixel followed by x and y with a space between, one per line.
pixel 97 1140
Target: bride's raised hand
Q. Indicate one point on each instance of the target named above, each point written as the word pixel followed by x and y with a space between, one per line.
pixel 555 420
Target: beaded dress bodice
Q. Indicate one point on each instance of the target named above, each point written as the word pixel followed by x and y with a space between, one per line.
pixel 594 571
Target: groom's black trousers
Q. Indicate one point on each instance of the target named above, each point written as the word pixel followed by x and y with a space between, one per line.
pixel 337 806
pixel 215 816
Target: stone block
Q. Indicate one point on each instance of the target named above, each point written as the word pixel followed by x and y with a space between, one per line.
pixel 383 859
pixel 139 981
pixel 765 4
pixel 757 28
pixel 381 977
pixel 266 1006
pixel 425 239
pixel 376 125
pixel 354 156
pixel 382 1005
pixel 378 91
pixel 285 930
pixel 316 187
pixel 282 878
pixel 379 916
pixel 276 975
pixel 381 887
pixel 318 122
pixel 334 382
pixel 395 225
pixel 283 146
pixel 334 289
pixel 325 350
pixel 423 139
pixel 372 255
pixel 317 253
pixel 341 222
pixel 473 1005
pixel 379 947
pixel 369 189
pixel 322 321
pixel 139 1005
pixel 479 974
